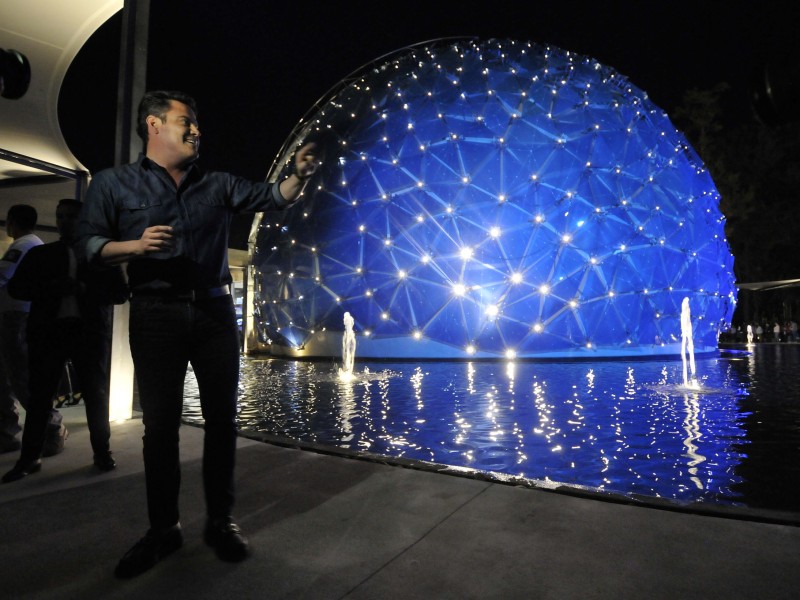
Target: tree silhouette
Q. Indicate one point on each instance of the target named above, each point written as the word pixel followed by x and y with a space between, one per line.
pixel 756 169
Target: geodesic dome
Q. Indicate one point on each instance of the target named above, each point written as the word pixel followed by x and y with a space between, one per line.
pixel 493 199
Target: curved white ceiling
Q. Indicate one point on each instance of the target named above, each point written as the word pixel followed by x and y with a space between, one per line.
pixel 50 33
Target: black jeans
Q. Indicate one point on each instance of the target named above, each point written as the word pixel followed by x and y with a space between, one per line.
pixel 166 335
pixel 48 351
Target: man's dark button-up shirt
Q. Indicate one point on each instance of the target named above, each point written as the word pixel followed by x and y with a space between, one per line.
pixel 122 202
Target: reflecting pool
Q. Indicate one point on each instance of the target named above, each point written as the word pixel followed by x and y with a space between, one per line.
pixel 619 426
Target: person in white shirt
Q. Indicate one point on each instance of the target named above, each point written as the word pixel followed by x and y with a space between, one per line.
pixel 20 223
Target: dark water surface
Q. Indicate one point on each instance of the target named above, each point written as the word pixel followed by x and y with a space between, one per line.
pixel 627 427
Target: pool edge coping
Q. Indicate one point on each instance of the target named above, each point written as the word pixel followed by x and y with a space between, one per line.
pixel 741 513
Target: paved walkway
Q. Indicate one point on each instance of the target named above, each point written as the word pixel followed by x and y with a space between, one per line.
pixel 324 527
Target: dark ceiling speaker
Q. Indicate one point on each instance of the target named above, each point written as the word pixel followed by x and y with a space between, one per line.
pixel 15 74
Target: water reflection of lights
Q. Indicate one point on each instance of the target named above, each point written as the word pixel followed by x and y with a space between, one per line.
pixel 692 428
pixel 347 404
pixel 615 427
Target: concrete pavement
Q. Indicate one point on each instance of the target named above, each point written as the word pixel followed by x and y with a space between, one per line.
pixel 324 526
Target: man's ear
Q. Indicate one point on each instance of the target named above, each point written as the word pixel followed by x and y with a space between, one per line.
pixel 153 122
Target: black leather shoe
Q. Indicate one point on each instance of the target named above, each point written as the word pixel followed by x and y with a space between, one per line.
pixel 22 469
pixel 104 461
pixel 227 539
pixel 154 546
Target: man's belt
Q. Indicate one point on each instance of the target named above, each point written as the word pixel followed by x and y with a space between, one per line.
pixel 186 295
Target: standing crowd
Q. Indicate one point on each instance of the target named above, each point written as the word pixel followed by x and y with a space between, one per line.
pixel 767 330
pixel 53 311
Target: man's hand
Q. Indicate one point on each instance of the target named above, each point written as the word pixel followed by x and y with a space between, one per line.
pixel 155 239
pixel 306 161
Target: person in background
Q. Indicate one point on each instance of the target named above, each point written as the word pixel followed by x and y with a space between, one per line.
pixel 20 224
pixel 169 220
pixel 71 306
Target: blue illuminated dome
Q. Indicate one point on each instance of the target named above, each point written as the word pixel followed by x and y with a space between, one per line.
pixel 492 199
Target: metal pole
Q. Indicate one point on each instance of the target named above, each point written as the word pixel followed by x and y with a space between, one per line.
pixel 130 87
pixel 132 82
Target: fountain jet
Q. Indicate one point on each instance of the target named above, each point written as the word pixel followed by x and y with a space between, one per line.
pixel 348 348
pixel 687 342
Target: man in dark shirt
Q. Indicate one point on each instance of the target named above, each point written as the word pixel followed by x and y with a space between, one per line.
pixel 170 221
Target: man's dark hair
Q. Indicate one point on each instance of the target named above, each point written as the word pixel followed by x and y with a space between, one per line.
pixel 157 103
pixel 69 202
pixel 24 216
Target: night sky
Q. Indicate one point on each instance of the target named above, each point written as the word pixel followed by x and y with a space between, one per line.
pixel 256 68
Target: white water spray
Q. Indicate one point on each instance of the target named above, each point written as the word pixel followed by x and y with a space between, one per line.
pixel 687 343
pixel 348 348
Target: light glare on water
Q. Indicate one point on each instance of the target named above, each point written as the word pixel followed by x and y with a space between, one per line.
pixel 624 427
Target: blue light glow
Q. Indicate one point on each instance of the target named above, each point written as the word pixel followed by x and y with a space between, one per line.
pixel 493 199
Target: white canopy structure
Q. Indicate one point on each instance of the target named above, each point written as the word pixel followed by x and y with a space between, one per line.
pixel 36 166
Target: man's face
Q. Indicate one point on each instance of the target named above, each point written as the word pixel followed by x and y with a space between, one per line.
pixel 67 221
pixel 178 133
